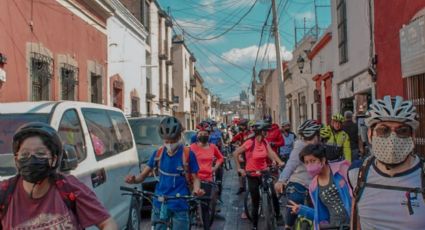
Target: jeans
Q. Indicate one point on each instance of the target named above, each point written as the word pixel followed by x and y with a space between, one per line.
pixel 180 219
pixel 297 193
pixel 354 155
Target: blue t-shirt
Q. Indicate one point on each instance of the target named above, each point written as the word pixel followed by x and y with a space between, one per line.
pixel 172 185
pixel 289 144
pixel 215 137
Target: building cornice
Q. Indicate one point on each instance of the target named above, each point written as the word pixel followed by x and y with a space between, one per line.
pixel 128 18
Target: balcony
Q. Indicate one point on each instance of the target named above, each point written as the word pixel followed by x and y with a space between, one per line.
pixel 169 63
pixel 150 96
pixel 192 82
pixel 163 57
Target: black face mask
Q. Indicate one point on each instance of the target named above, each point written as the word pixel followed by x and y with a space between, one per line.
pixel 35 169
pixel 203 139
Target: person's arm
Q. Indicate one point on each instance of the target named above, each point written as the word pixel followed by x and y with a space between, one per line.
pixel 291 165
pixel 273 156
pixel 279 140
pixel 196 184
pixel 347 148
pixel 236 154
pixel 108 224
pixel 134 179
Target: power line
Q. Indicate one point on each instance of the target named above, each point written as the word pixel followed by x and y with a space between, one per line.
pixel 224 32
pixel 261 36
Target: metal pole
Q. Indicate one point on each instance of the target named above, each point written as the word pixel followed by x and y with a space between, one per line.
pixel 282 100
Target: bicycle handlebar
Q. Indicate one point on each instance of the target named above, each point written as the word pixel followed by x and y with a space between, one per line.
pixel 161 198
pixel 264 171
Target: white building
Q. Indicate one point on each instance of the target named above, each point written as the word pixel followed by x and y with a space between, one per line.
pixel 299 87
pixel 352 84
pixel 184 80
pixel 126 61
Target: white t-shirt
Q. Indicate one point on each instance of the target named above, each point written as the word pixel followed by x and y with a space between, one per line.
pixel 387 209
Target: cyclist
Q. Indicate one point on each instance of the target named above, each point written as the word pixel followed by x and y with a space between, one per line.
pixel 329 189
pixel 274 136
pixel 294 176
pixel 35 195
pixel 337 141
pixel 257 150
pixel 206 154
pixel 388 186
pixel 239 139
pixel 289 139
pixel 174 175
pixel 352 130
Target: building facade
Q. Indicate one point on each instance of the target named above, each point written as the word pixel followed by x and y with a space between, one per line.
pixel 400 55
pixel 184 81
pixel 50 61
pixel 126 66
pixel 351 41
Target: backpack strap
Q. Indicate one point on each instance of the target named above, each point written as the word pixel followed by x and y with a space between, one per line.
pixel 185 160
pixel 158 156
pixel 67 193
pixel 7 187
pixel 358 190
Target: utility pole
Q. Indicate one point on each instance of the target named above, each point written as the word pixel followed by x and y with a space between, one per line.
pixel 282 100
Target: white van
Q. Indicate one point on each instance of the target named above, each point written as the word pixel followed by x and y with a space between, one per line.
pixel 103 148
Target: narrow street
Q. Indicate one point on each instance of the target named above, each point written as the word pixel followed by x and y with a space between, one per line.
pixel 230 216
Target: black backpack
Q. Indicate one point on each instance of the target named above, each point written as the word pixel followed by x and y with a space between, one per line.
pixel 362 183
pixel 7 187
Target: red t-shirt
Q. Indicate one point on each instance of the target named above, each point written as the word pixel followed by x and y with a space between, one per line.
pixel 256 160
pixel 205 158
pixel 51 212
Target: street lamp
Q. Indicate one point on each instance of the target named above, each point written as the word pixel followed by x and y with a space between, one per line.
pixel 300 63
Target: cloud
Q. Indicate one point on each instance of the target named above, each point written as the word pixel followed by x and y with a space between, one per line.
pixel 308 15
pixel 215 80
pixel 247 55
pixel 209 6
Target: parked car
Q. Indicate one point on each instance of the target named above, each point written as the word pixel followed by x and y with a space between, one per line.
pixel 146 136
pixel 187 137
pixel 103 148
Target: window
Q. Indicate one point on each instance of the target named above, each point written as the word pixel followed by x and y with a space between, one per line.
pixel 342 31
pixel 71 133
pixel 108 131
pixel 96 88
pixel 148 108
pixel 135 111
pixel 41 74
pixel 68 81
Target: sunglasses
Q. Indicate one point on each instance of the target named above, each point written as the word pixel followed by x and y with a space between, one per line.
pixel 401 132
pixel 27 155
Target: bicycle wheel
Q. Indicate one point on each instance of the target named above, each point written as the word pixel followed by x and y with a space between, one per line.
pixel 133 222
pixel 267 219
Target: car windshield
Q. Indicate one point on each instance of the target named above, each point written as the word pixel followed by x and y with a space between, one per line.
pixel 8 125
pixel 188 136
pixel 145 132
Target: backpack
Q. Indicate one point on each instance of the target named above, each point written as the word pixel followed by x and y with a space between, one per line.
pixel 361 184
pixel 65 190
pixel 185 160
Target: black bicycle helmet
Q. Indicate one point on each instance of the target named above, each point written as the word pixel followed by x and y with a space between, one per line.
pixel 43 129
pixel 308 128
pixel 170 128
pixel 261 126
pixel 268 119
pixel 243 122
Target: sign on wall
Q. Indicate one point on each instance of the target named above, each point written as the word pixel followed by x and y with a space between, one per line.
pixel 412 48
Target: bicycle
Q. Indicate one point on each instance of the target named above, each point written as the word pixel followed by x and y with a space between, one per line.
pixel 193 202
pixel 266 209
pixel 335 227
pixel 302 222
pixel 227 158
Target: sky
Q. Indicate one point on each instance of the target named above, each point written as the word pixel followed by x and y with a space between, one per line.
pixel 226 61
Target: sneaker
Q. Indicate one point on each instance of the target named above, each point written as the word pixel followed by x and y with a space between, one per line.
pixel 240 191
pixel 280 221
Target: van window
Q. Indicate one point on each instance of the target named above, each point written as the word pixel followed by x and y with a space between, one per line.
pixel 104 132
pixel 71 133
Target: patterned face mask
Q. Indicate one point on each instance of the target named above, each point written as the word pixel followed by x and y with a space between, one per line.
pixel 392 149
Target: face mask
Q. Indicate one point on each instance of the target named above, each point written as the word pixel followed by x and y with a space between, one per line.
pixel 172 147
pixel 392 149
pixel 203 139
pixel 314 169
pixel 35 169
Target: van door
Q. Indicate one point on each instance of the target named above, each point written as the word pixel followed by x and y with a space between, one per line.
pixel 116 157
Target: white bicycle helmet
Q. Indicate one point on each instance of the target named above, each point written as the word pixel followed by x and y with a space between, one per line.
pixel 392 109
pixel 308 128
